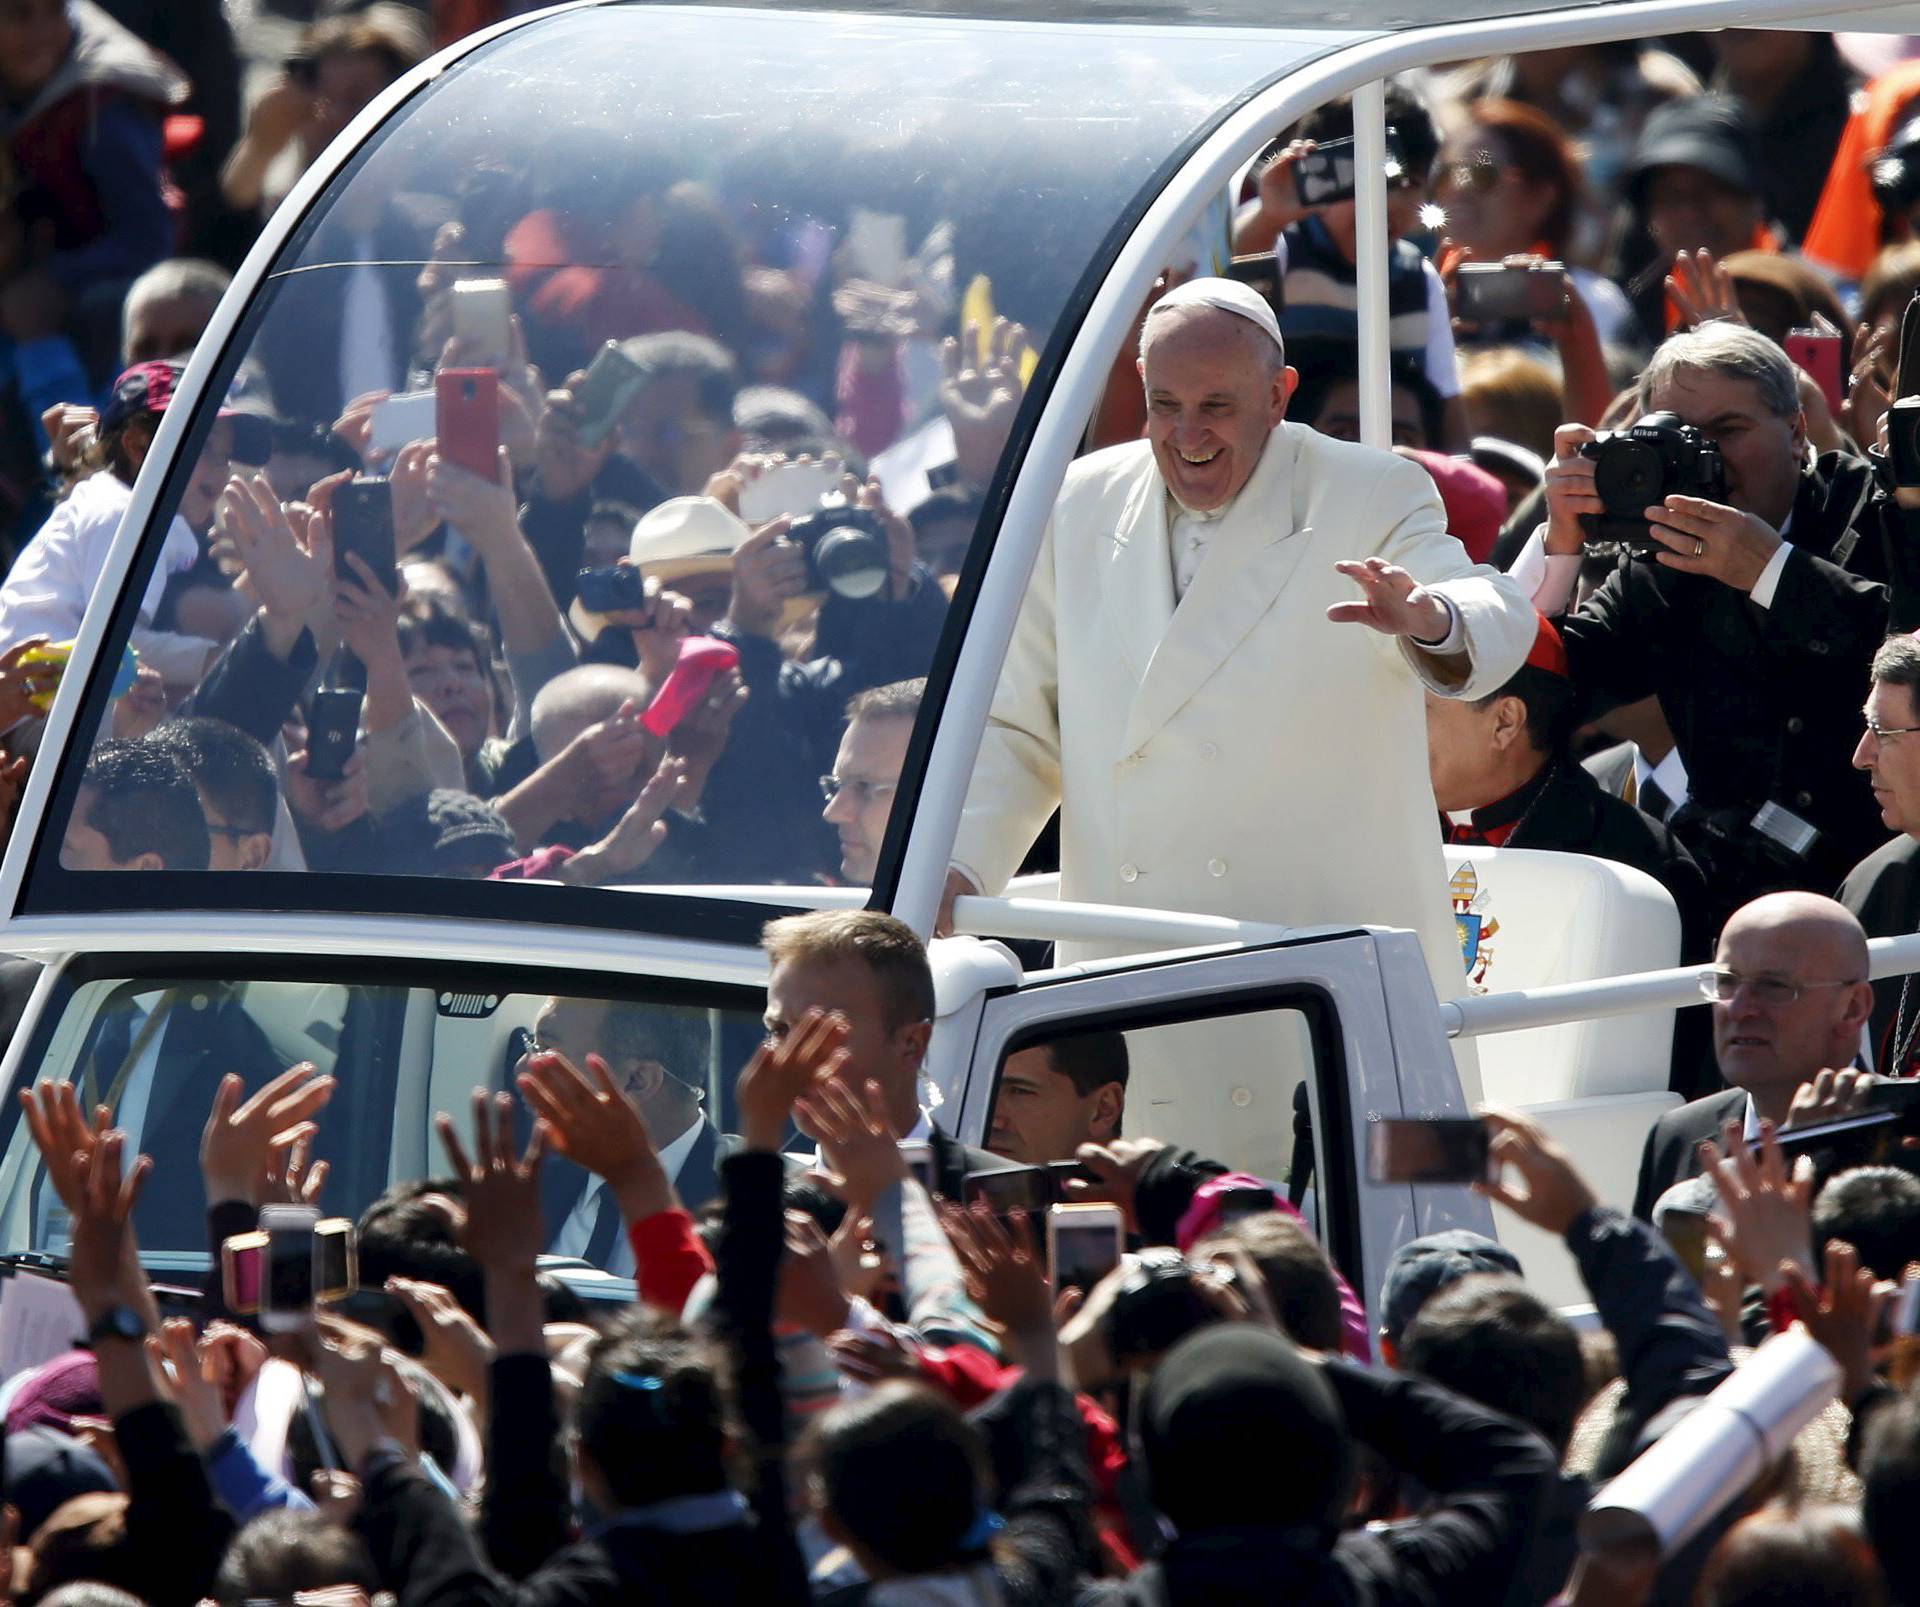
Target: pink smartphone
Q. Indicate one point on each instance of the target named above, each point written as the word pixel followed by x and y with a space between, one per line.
pixel 1818 352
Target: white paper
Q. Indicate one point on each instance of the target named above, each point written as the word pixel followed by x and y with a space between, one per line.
pixel 39 1320
pixel 1713 1455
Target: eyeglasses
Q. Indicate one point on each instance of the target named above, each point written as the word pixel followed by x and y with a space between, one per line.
pixel 863 791
pixel 1880 733
pixel 1720 984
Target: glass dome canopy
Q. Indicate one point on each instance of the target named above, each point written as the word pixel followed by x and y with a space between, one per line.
pixel 639 171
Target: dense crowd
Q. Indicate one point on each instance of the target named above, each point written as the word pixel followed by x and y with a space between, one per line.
pixel 608 538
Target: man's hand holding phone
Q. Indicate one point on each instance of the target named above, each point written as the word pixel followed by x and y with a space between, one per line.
pixel 1555 1195
pixel 565 462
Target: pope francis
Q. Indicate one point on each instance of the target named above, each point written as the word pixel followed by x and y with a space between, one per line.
pixel 1184 681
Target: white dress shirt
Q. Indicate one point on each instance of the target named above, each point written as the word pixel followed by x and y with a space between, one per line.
pixel 577 1231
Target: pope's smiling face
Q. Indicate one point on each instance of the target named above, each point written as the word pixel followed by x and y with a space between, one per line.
pixel 1216 387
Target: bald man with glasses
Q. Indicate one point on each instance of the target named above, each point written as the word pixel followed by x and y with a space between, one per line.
pixel 1789 996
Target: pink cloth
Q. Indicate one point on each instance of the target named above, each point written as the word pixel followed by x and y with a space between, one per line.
pixel 1475 500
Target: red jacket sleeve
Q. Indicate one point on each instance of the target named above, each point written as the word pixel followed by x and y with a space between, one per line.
pixel 668 1258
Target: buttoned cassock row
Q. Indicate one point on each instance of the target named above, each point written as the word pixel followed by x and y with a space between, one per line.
pixel 1237 754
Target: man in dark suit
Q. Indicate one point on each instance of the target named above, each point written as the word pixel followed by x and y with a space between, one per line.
pixel 1884 888
pixel 1790 997
pixel 873 970
pixel 1504 777
pixel 658 1056
pixel 1752 620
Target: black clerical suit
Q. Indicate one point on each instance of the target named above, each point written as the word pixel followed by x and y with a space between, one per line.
pixel 1884 892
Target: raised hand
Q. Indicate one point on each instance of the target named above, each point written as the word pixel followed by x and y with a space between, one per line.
pixel 1830 1096
pixel 504 1228
pixel 768 573
pixel 367 614
pixel 1702 290
pixel 1394 603
pixel 1116 1166
pixel 327 806
pixel 1556 1196
pixel 286 577
pixel 176 1359
pixel 636 834
pixel 1005 1270
pixel 781 1072
pixel 810 1295
pixel 1870 384
pixel 980 402
pixel 484 511
pixel 1711 539
pixel 458 1351
pixel 104 1265
pixel 701 737
pixel 565 466
pixel 855 1140
pixel 294 1177
pixel 1763 1217
pixel 594 1123
pixel 414 515
pixel 243 1144
pixel 62 1134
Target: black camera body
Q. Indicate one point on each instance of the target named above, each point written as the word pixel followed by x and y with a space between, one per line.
pixel 846 549
pixel 1903 442
pixel 1156 1305
pixel 1652 459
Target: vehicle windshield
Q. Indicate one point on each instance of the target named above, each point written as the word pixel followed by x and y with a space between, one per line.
pixel 582 494
pixel 154 1047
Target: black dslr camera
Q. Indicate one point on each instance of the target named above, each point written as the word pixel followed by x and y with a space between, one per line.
pixel 846 549
pixel 1635 468
pixel 1156 1305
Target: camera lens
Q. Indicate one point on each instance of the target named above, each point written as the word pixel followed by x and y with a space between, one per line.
pixel 852 561
pixel 1628 477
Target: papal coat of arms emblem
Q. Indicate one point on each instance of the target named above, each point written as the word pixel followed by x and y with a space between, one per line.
pixel 1476 927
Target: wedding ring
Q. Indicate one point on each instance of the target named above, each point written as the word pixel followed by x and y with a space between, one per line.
pixel 1699 548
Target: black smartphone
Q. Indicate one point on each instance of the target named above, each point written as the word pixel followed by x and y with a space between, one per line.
pixel 363 524
pixel 1871 1136
pixel 1260 272
pixel 619 588
pixel 1326 173
pixel 1435 1149
pixel 333 726
pixel 1018 1188
pixel 1492 293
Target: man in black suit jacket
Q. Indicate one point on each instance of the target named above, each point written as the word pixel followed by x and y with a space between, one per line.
pixel 658 1055
pixel 1791 1000
pixel 1884 888
pixel 873 970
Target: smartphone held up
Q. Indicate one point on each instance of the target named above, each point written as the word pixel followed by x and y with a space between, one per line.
pixel 1432 1149
pixel 292 1265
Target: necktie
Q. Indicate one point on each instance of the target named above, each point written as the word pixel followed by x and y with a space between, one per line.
pixel 606 1227
pixel 1654 800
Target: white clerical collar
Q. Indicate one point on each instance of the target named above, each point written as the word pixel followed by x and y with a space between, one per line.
pixel 1176 509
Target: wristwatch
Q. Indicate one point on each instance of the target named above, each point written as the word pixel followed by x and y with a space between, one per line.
pixel 118 1322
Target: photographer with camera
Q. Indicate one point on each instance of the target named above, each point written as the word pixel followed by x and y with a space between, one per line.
pixel 1749 594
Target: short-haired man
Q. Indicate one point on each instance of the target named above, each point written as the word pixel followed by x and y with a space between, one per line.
pixel 866 773
pixel 239 791
pixel 873 970
pixel 1883 890
pixel 1790 997
pixel 1753 624
pixel 658 1055
pixel 168 307
pixel 1055 1096
pixel 137 809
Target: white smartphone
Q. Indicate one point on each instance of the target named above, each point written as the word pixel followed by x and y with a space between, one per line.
pixel 336 1259
pixel 788 490
pixel 877 246
pixel 399 421
pixel 287 1291
pixel 482 321
pixel 1083 1244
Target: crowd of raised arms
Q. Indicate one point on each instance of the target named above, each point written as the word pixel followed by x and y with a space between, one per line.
pixel 608 540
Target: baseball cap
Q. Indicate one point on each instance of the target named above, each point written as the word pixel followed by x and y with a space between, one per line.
pixel 147 388
pixel 1705 131
pixel 45 1468
pixel 1420 1269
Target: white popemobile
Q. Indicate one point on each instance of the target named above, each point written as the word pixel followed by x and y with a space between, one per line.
pixel 1069 158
